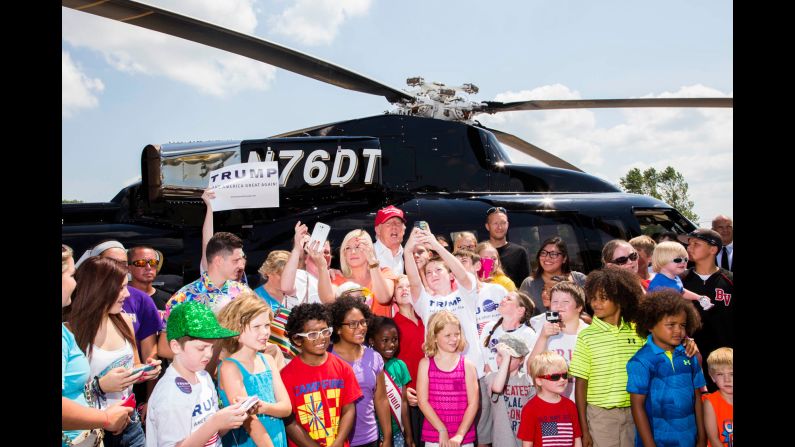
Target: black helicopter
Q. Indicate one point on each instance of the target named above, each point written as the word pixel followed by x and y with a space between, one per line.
pixel 429 158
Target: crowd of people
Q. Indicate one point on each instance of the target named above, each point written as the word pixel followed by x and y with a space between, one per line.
pixel 414 341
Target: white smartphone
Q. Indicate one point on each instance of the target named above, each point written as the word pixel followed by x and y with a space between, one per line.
pixel 320 234
pixel 249 402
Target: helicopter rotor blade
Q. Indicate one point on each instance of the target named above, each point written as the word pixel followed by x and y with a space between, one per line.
pixel 496 106
pixel 531 150
pixel 178 25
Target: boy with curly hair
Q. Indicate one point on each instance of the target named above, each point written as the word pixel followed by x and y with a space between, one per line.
pixel 600 356
pixel 322 388
pixel 664 383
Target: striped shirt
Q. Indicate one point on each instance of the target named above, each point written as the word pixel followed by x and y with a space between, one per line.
pixel 601 357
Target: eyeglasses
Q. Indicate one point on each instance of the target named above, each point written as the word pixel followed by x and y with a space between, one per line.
pixel 314 335
pixel 624 259
pixel 554 377
pixel 549 254
pixel 355 324
pixel 143 262
pixel 679 260
pixel 496 209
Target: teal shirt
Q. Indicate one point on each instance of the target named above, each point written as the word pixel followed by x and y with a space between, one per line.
pixel 399 373
pixel 260 385
pixel 75 372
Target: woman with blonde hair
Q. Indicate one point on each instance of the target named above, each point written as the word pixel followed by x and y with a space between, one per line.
pixel 487 251
pixel 271 271
pixel 360 265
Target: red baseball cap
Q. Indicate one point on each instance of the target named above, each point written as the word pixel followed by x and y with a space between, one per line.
pixel 387 213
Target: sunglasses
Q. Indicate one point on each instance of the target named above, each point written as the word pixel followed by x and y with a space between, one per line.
pixel 679 260
pixel 143 262
pixel 496 209
pixel 555 377
pixel 314 335
pixel 624 259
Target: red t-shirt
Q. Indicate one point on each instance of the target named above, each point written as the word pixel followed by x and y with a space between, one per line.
pixel 412 336
pixel 549 424
pixel 318 393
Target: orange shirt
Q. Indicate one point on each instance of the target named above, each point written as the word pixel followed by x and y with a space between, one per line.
pixel 384 310
pixel 724 416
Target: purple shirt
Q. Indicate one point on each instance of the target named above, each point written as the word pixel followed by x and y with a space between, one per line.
pixel 143 312
pixel 365 429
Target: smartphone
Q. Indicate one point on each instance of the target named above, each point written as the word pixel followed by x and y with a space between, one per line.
pixel 129 402
pixel 143 368
pixel 486 266
pixel 553 316
pixel 319 234
pixel 249 402
pixel 421 224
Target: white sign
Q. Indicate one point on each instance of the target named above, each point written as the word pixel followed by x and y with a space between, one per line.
pixel 246 185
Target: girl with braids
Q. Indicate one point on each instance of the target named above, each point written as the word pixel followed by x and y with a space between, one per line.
pixel 515 311
pixel 568 300
pixel 106 336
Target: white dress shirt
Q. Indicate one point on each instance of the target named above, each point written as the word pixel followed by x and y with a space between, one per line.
pixel 386 259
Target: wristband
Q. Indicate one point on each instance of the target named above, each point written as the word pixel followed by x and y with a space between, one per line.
pixel 98 388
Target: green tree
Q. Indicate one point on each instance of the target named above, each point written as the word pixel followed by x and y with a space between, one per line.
pixel 667 185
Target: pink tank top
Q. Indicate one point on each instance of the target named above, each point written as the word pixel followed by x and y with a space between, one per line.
pixel 447 395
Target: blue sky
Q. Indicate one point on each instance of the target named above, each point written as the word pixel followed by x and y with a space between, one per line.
pixel 125 87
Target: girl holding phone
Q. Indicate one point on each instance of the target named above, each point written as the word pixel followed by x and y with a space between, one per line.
pixel 491 270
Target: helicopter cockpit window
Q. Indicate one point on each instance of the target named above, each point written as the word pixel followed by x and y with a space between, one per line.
pixel 192 168
pixel 655 221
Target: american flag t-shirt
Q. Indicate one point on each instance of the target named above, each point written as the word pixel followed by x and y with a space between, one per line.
pixel 557 434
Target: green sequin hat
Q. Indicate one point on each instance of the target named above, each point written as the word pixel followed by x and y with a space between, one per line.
pixel 195 320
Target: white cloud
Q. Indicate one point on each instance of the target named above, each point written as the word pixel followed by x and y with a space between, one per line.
pixel 316 22
pixel 698 142
pixel 137 50
pixel 77 89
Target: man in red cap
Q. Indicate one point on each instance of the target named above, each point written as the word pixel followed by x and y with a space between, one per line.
pixel 390 227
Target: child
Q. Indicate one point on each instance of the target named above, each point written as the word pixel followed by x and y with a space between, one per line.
pixel 663 381
pixel 449 408
pixel 670 260
pixel 719 407
pixel 600 358
pixel 384 336
pixel 248 372
pixel 321 387
pixel 510 389
pixel 350 317
pixel 549 418
pixel 183 408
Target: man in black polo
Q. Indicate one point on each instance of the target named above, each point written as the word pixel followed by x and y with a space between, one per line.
pixel 706 278
pixel 513 257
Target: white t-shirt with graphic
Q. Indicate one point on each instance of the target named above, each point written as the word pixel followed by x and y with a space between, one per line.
pixel 489 297
pixel 462 303
pixel 563 344
pixel 177 409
